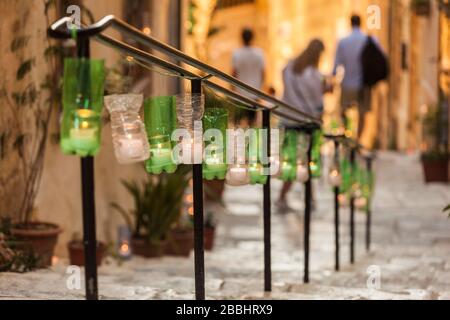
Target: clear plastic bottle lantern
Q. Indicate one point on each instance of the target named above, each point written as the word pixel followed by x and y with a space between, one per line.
pixel 82 105
pixel 128 131
pixel 289 156
pixel 316 162
pixel 256 169
pixel 237 174
pixel 215 122
pixel 190 109
pixel 160 121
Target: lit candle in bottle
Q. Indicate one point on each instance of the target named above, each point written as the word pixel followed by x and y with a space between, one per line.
pixel 335 178
pixel 302 173
pixel 84 133
pixel 238 175
pixel 124 248
pixel 130 146
pixel 161 155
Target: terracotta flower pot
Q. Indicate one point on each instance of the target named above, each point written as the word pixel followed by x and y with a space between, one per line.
pixel 209 235
pixel 76 252
pixel 435 170
pixel 180 243
pixel 142 247
pixel 39 238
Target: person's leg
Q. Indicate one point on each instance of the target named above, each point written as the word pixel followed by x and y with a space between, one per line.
pixel 349 97
pixel 364 106
pixel 284 191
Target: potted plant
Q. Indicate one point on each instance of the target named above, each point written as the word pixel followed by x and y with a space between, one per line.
pixel 157 205
pixel 180 239
pixel 209 231
pixel 76 251
pixel 421 7
pixel 435 157
pixel 37 239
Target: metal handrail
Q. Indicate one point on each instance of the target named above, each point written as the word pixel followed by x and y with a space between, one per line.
pixel 145 57
pixel 56 31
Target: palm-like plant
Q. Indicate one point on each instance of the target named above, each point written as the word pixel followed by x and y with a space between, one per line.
pixel 157 204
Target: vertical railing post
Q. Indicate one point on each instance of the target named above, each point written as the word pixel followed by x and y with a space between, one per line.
pixel 88 204
pixel 308 199
pixel 369 206
pixel 197 180
pixel 267 209
pixel 336 212
pixel 352 207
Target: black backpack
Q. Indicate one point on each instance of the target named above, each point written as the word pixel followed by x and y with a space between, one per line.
pixel 375 65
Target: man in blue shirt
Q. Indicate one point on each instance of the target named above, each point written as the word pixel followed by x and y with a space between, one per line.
pixel 348 55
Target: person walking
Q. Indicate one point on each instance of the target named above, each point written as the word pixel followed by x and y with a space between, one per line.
pixel 249 67
pixel 304 87
pixel 360 57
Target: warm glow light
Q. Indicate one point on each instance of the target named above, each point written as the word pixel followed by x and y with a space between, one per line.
pixel 191 211
pixel 124 248
pixel 129 58
pixel 55 260
pixel 147 30
pixel 84 125
pixel 190 198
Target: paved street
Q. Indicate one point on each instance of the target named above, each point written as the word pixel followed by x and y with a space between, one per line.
pixel 411 247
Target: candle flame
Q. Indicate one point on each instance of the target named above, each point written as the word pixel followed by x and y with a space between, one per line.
pixel 84 125
pixel 124 247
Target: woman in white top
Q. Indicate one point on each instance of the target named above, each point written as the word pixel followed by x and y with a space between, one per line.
pixel 304 87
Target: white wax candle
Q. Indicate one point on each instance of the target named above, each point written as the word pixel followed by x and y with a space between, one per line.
pixel 335 178
pixel 83 137
pixel 238 176
pixel 130 147
pixel 302 173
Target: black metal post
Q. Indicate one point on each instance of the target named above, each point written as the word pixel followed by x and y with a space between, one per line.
pixel 197 177
pixel 336 212
pixel 267 211
pixel 352 209
pixel 88 199
pixel 368 208
pixel 307 222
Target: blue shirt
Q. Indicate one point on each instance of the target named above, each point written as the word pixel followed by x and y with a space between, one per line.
pixel 348 55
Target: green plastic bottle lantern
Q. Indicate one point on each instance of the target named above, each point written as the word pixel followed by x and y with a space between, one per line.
pixel 256 168
pixel 215 165
pixel 289 156
pixel 316 163
pixel 160 121
pixel 346 185
pixel 83 84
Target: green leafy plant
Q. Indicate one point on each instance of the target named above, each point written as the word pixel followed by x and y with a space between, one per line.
pixel 157 204
pixel 27 101
pixel 434 129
